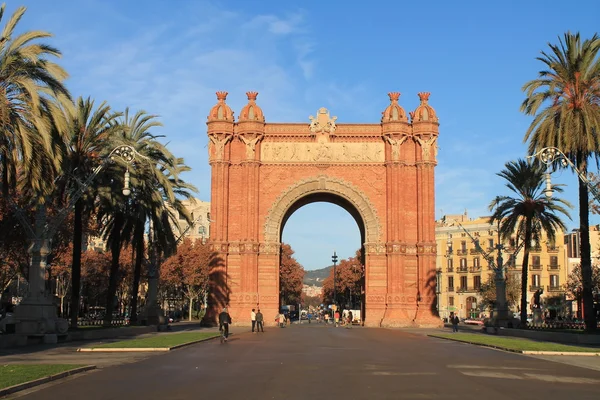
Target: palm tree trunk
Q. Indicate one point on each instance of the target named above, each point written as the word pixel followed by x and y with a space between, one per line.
pixel 115 248
pixel 525 273
pixel 139 256
pixel 589 315
pixel 76 263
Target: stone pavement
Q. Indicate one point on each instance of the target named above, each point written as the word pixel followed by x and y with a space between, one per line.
pixel 322 362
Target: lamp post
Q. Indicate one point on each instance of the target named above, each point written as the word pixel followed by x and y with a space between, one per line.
pixel 36 314
pixel 334 258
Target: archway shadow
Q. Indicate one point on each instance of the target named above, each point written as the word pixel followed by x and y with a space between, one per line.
pixel 219 290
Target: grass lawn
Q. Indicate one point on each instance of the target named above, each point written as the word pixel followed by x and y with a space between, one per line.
pixel 512 343
pixel 13 374
pixel 164 340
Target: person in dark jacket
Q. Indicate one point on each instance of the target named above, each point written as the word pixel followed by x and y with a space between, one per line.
pixel 259 321
pixel 224 321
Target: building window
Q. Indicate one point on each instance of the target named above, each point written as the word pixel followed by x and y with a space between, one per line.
pixel 535 261
pixel 463 282
pixel 463 246
pixel 451 301
pixel 535 280
pixel 463 263
pixel 554 281
pixel 476 282
pixel 554 261
pixel 491 243
pixel 202 230
pixel 450 283
pixel 450 264
pixel 476 262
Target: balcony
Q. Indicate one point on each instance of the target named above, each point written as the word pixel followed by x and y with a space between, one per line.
pixel 466 289
pixel 473 251
pixel 450 269
pixel 536 249
pixel 553 267
pixel 536 267
pixel 475 269
pixel 533 288
pixel 552 249
pixel 554 289
pixel 462 270
pixel 462 252
pixel 451 288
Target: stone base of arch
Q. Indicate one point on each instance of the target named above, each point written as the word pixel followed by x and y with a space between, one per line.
pixel 401 316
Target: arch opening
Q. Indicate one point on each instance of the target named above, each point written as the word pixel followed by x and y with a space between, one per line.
pixel 314 255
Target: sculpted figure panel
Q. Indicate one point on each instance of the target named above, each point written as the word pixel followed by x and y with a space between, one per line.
pixel 218 143
pixel 426 146
pixel 322 152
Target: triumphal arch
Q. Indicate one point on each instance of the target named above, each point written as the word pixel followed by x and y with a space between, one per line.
pixel 381 173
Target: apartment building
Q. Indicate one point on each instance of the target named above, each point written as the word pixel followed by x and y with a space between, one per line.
pixel 200 229
pixel 462 269
pixel 200 212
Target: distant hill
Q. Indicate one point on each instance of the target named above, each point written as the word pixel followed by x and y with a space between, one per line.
pixel 316 276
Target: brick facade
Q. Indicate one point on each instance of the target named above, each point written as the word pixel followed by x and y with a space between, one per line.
pixel 382 174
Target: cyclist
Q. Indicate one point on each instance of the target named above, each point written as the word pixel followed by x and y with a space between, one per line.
pixel 224 321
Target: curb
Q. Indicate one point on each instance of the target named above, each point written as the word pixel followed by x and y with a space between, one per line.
pixel 560 353
pixel 526 352
pixel 141 349
pixel 26 385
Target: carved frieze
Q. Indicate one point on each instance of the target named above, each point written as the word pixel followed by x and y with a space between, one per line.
pixel 323 152
pixel 375 248
pixel 269 248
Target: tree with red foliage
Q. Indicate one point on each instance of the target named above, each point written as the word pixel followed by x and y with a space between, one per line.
pixel 94 276
pixel 189 269
pixel 348 281
pixel 291 276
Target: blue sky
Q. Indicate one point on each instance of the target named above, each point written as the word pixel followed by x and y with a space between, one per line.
pixel 169 58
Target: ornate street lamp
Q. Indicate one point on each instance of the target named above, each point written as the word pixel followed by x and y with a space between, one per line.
pixel 334 258
pixel 551 155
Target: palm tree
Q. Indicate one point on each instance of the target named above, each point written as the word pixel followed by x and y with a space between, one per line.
pixel 85 144
pixel 527 215
pixel 32 98
pixel 565 100
pixel 155 182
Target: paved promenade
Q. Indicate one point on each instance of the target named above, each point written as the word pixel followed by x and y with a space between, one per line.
pixel 318 362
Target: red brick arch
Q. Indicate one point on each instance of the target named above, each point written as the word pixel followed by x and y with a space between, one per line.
pixel 383 174
pixel 322 184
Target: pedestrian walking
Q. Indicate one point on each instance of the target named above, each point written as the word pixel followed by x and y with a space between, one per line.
pixel 281 320
pixel 455 321
pixel 326 318
pixel 253 319
pixel 224 321
pixel 336 318
pixel 349 320
pixel 259 321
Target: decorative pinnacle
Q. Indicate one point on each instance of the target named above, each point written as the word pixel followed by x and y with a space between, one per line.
pixel 221 96
pixel 252 95
pixel 394 96
pixel 424 96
